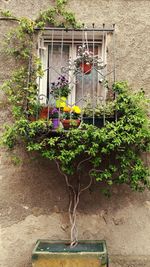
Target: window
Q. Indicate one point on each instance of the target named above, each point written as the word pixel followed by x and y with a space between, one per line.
pixel 58 50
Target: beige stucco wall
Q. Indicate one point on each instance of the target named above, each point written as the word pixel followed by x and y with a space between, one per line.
pixel 33 196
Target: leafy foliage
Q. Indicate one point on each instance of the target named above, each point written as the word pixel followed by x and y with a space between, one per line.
pixel 113 152
pixel 6 13
pixel 57 16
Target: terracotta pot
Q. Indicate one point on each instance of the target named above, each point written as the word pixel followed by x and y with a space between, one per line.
pixel 86 68
pixel 67 124
pixel 43 113
pixel 32 118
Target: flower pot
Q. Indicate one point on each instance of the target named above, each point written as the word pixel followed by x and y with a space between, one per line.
pixel 86 68
pixel 110 119
pixel 55 122
pixel 98 122
pixel 32 118
pixel 72 123
pixel 44 113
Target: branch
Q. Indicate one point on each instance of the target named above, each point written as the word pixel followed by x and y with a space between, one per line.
pixel 82 161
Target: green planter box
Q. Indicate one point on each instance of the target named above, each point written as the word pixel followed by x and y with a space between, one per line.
pixel 59 253
pixel 98 122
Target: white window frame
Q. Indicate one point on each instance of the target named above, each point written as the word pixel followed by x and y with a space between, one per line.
pixel 42 51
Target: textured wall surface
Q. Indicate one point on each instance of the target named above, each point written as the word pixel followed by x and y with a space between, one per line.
pixel 33 196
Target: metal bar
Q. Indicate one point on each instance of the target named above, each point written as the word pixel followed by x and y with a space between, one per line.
pixel 49 73
pixel 61 49
pixel 114 53
pixel 48 92
pixel 103 88
pixel 28 78
pixel 82 85
pixel 114 67
pixel 93 104
pixel 72 57
pixel 70 42
pixel 52 69
pixel 51 55
pixel 39 78
pixel 61 59
pixel 70 29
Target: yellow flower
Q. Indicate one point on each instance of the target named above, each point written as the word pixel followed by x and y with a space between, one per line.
pixel 61 103
pixel 76 109
pixel 63 98
pixel 66 109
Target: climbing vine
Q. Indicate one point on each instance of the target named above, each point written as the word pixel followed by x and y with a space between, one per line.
pixel 113 152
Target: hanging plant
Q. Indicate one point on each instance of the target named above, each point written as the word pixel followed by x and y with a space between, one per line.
pixel 84 60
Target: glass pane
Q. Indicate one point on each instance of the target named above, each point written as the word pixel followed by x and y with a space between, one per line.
pixel 87 84
pixel 57 62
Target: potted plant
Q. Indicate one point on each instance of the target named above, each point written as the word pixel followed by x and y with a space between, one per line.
pixel 84 60
pixel 34 110
pixel 43 114
pixel 54 115
pixel 70 117
pixel 60 88
pixel 97 113
pixel 61 102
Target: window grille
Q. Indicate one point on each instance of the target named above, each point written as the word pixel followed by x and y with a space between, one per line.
pixel 58 50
